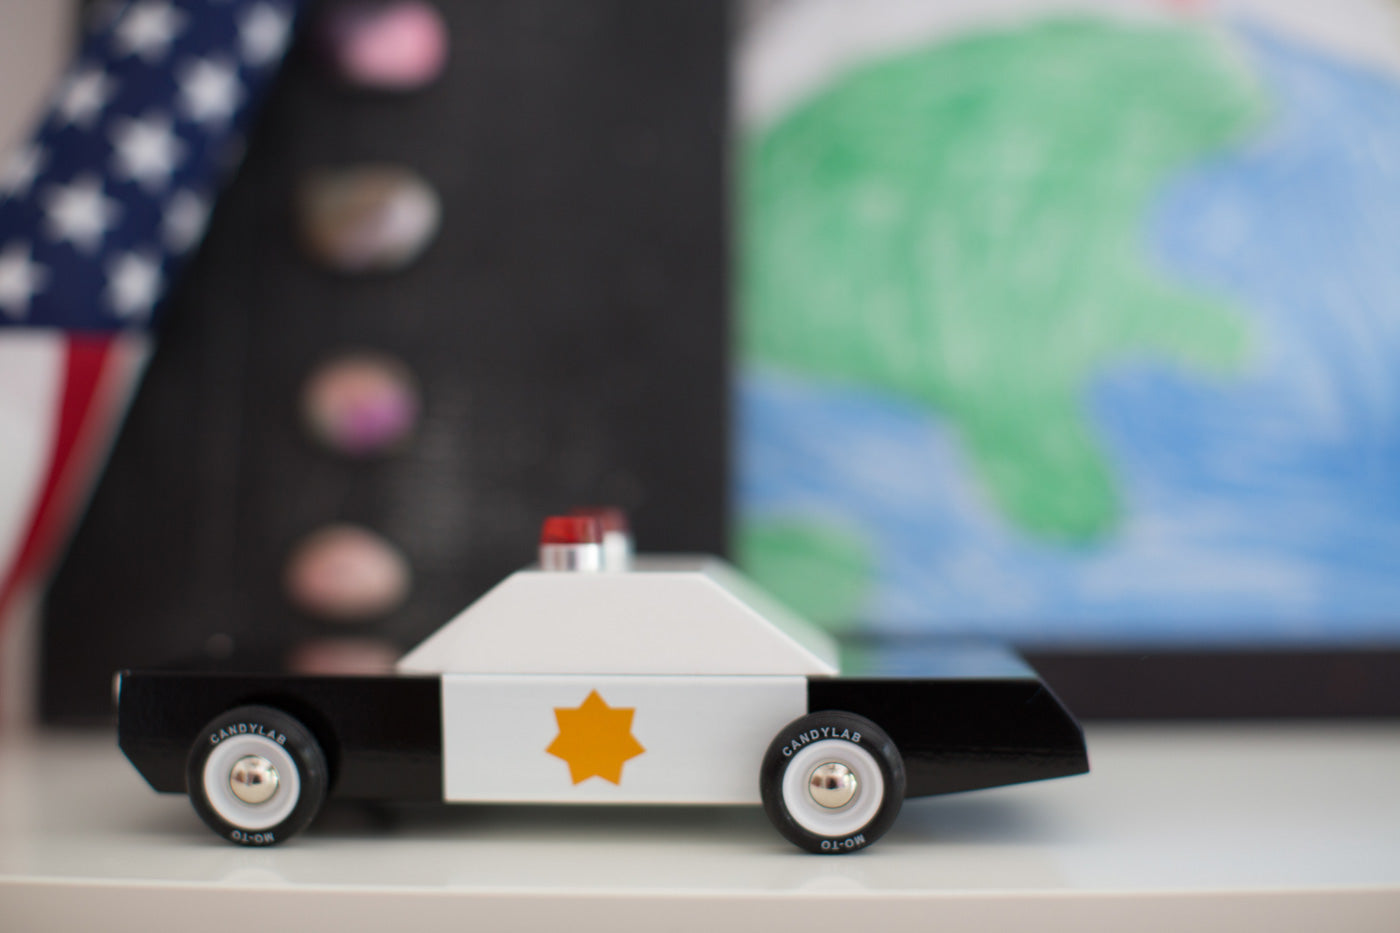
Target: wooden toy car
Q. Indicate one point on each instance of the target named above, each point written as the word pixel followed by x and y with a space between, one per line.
pixel 596 678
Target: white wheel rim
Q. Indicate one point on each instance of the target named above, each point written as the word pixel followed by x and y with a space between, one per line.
pixel 251 816
pixel 812 816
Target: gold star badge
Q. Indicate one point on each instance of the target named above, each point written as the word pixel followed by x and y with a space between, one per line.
pixel 595 739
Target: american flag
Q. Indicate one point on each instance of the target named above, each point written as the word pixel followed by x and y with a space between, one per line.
pixel 98 213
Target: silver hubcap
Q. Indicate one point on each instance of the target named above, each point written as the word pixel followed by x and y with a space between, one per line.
pixel 832 785
pixel 253 779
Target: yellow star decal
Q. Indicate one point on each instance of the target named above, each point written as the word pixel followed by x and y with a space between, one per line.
pixel 595 739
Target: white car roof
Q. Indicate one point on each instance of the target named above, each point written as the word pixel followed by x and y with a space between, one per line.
pixel 666 615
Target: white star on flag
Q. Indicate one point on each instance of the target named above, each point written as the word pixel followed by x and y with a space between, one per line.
pixel 79 212
pixel 83 96
pixel 22 169
pixel 133 284
pixel 147 28
pixel 262 34
pixel 145 150
pixel 20 278
pixel 209 90
pixel 99 213
pixel 184 220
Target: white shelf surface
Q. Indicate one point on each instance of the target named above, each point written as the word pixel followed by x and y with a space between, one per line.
pixel 1179 828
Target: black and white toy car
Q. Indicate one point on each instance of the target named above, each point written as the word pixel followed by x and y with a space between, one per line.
pixel 598 678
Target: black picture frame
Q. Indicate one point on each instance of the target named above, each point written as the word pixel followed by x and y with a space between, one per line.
pixel 1234 683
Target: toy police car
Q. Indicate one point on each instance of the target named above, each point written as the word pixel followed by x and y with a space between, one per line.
pixel 598 678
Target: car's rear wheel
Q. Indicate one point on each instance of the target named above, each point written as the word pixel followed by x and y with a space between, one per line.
pixel 832 782
pixel 256 775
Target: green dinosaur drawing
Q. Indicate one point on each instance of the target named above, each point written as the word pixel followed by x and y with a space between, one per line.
pixel 964 225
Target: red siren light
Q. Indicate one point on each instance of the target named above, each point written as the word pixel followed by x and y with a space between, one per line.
pixel 617 537
pixel 571 529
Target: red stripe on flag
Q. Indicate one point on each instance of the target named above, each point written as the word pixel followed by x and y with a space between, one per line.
pixel 84 360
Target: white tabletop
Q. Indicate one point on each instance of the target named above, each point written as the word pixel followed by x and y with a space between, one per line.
pixel 1202 827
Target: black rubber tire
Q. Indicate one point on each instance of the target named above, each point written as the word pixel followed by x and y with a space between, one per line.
pixel 257 730
pixel 835 729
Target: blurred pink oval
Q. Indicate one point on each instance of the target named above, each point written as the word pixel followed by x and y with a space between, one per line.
pixel 361 405
pixel 345 573
pixel 389 46
pixel 367 218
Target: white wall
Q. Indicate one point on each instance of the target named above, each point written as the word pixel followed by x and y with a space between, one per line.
pixel 36 37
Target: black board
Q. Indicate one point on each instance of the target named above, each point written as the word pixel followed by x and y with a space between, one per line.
pixel 567 328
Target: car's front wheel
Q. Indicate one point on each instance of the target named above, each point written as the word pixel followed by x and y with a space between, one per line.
pixel 832 782
pixel 256 776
